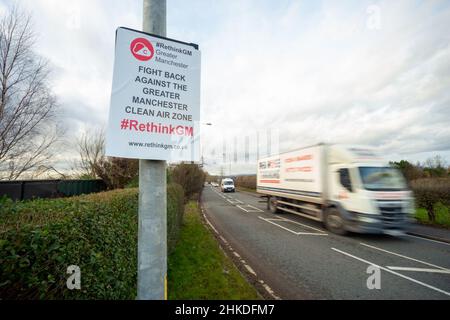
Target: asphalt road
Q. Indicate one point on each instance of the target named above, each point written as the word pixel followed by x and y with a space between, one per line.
pixel 299 259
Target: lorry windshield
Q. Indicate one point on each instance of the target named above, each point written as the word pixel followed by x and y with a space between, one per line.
pixel 228 183
pixel 382 178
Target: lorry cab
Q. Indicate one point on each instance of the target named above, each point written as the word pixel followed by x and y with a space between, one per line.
pixel 227 185
pixel 367 194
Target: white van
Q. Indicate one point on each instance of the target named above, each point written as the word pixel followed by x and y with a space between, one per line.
pixel 227 185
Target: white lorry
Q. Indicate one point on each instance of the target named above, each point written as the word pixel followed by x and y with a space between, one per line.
pixel 347 188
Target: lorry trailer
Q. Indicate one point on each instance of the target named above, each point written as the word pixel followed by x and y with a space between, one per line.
pixel 348 188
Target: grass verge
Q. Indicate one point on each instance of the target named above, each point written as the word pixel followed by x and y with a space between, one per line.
pixel 442 216
pixel 199 269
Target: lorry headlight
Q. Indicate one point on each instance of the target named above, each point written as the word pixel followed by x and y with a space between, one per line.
pixel 367 219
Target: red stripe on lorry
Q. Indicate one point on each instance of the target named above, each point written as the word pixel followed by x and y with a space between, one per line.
pixel 269 181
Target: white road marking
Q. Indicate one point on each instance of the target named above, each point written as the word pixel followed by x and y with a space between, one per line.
pixel 304 225
pixel 224 240
pixel 270 291
pixel 312 233
pixel 287 229
pixel 234 201
pixel 212 227
pixel 431 240
pixel 220 194
pixel 251 208
pixel 250 269
pixel 242 208
pixel 393 272
pixel 419 269
pixel 403 256
pixel 254 209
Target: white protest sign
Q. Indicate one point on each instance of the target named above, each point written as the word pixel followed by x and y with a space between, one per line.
pixel 155 100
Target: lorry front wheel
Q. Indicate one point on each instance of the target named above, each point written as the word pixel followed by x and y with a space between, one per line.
pixel 334 221
pixel 272 205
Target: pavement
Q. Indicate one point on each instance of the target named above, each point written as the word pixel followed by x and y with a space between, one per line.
pixel 297 258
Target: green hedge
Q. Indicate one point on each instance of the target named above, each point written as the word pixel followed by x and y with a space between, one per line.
pixel 39 239
pixel 175 209
pixel 429 192
pixel 248 182
pixel 190 177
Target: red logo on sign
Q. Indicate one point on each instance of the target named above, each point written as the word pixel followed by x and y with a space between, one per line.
pixel 142 49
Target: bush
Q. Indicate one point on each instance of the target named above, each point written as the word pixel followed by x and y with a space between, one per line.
pixel 175 210
pixel 248 182
pixel 41 238
pixel 410 171
pixel 442 214
pixel 97 232
pixel 116 172
pixel 190 177
pixel 428 192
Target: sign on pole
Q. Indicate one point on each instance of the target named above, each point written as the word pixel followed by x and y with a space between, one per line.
pixel 155 100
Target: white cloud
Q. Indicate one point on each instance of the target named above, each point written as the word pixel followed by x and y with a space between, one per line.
pixel 312 69
pixel 332 79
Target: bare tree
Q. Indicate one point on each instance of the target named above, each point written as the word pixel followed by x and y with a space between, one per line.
pixel 50 172
pixel 91 148
pixel 115 172
pixel 436 162
pixel 28 128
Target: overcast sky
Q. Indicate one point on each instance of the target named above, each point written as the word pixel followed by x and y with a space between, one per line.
pixel 360 72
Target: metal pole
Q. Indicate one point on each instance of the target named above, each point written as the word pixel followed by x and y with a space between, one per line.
pixel 155 17
pixel 152 237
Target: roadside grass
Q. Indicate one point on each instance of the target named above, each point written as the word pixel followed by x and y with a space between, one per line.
pixel 199 269
pixel 442 216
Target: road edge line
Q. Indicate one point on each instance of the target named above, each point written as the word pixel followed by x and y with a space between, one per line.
pixel 427 237
pixel 229 251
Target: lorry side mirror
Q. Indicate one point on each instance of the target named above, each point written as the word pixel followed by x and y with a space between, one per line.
pixel 344 178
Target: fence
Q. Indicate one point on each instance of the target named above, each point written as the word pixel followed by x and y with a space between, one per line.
pixel 29 189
